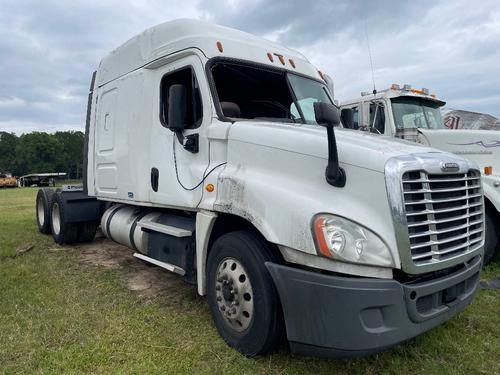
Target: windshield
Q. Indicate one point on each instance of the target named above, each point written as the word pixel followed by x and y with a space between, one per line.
pixel 258 93
pixel 412 112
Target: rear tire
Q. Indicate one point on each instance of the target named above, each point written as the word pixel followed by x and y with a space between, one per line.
pixel 243 300
pixel 62 231
pixel 86 231
pixel 43 206
pixel 491 237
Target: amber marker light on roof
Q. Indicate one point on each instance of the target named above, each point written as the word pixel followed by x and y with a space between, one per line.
pixel 270 56
pixel 292 63
pixel 417 91
pixel 488 170
pixel 219 47
pixel 321 75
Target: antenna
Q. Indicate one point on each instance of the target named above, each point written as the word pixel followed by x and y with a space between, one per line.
pixel 371 60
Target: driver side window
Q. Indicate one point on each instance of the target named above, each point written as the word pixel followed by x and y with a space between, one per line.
pixel 187 78
pixel 307 106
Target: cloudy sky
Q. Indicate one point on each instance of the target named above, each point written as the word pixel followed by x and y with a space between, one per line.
pixel 48 49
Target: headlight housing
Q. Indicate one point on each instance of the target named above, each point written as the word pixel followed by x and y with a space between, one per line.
pixel 341 239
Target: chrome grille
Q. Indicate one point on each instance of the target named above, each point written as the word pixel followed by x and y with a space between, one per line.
pixel 444 214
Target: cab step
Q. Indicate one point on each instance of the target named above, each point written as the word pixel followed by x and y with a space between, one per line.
pixel 167 266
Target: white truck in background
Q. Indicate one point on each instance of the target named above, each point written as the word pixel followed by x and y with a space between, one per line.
pixel 414 115
pixel 212 153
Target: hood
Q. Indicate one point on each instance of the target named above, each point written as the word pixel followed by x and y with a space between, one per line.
pixel 482 146
pixel 354 147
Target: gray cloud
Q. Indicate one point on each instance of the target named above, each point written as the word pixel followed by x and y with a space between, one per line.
pixel 49 49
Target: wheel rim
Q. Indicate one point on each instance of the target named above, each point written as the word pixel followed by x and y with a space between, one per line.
pixel 234 294
pixel 56 219
pixel 40 210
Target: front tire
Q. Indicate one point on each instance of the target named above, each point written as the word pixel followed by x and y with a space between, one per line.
pixel 242 297
pixel 491 237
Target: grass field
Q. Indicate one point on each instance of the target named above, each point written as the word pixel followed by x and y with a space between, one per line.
pixel 96 309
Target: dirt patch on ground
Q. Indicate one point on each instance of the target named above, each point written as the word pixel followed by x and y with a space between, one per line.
pixel 147 280
pixel 105 253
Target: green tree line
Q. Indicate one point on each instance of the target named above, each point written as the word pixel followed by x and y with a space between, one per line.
pixel 39 152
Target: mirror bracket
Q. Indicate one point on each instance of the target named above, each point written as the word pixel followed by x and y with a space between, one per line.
pixel 192 143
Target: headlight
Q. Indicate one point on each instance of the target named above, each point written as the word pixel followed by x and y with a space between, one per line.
pixel 342 239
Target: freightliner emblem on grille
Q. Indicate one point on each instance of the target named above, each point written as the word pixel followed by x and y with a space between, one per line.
pixel 449 167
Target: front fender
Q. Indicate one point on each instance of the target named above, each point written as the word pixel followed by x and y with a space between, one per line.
pixel 280 191
pixel 491 192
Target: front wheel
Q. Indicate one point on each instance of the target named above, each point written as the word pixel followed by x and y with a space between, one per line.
pixel 241 294
pixel 491 237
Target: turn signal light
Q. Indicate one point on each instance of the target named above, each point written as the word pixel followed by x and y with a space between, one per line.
pixel 319 224
pixel 488 170
pixel 210 188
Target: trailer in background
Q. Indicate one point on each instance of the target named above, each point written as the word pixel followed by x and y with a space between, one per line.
pixel 40 179
pixel 7 180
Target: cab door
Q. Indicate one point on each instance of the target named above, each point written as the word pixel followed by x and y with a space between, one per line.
pixel 178 161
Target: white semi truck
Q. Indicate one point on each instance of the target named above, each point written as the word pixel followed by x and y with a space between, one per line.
pixel 212 153
pixel 413 114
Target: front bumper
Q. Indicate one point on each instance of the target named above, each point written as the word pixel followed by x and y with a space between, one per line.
pixel 345 316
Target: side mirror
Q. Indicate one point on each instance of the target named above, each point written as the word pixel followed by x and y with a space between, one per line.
pixel 176 108
pixel 346 115
pixel 326 114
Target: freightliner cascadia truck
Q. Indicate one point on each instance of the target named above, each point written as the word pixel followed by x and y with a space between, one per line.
pixel 218 156
pixel 414 114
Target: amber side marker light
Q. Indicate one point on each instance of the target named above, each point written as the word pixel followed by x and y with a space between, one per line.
pixel 210 188
pixel 270 56
pixel 488 171
pixel 319 223
pixel 219 47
